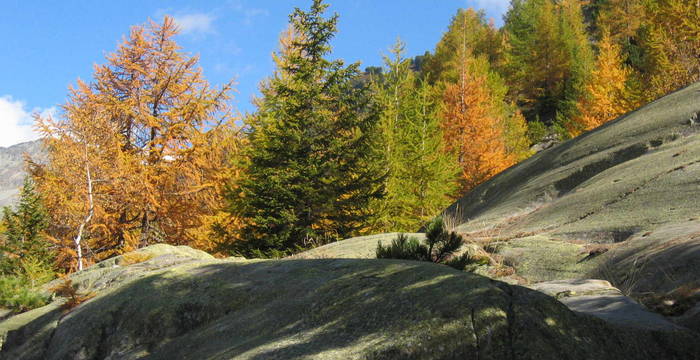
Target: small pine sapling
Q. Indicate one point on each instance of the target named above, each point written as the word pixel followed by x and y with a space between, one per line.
pixel 440 247
pixel 403 248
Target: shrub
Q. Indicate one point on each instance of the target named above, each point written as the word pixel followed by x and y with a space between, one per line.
pixel 537 131
pixel 439 248
pixel 36 271
pixel 17 295
pixel 404 248
pixel 68 290
pixel 441 242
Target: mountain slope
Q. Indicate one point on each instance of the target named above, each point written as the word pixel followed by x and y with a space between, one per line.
pixel 12 168
pixel 629 175
pixel 185 305
pixel 617 203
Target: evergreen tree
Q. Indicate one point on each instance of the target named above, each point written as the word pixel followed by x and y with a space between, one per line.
pixel 311 166
pixel 422 174
pixel 24 231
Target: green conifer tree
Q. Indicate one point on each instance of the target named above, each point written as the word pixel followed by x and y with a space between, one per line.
pixel 468 30
pixel 24 231
pixel 422 174
pixel 312 168
pixel 548 58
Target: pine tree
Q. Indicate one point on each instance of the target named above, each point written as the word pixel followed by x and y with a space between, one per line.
pixel 422 174
pixel 311 171
pixel 607 94
pixel 23 234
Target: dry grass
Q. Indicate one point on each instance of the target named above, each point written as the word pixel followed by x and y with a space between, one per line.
pixel 135 258
pixel 675 302
pixel 501 271
pixel 452 220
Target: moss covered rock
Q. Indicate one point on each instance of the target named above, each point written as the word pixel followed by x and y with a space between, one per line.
pixel 326 309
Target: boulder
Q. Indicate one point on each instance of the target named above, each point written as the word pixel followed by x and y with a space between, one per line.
pixel 600 299
pixel 325 309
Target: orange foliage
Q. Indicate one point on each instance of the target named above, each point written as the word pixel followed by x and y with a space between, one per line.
pixel 68 290
pixel 472 127
pixel 157 141
pixel 606 94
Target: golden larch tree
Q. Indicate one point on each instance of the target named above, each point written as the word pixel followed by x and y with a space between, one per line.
pixel 606 95
pixel 672 46
pixel 169 135
pixel 472 127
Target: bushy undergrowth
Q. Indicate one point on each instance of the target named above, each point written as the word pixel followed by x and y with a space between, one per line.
pixel 440 247
pixel 17 294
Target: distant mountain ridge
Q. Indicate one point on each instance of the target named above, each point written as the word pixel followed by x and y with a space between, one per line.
pixel 12 171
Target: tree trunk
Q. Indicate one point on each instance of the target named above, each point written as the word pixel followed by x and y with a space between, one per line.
pixel 91 210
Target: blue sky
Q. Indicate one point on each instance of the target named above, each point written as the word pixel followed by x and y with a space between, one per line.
pixel 46 45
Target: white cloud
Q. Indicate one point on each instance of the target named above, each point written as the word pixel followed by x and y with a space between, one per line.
pixel 195 23
pixel 16 121
pixel 251 14
pixel 493 6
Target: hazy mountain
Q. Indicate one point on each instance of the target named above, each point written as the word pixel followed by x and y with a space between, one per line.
pixel 12 168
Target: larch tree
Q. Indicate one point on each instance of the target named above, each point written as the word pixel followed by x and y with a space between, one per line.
pixel 621 19
pixel 671 42
pixel 471 126
pixel 470 33
pixel 548 58
pixel 607 94
pixel 86 173
pixel 312 170
pixel 134 154
pixel 422 175
pixel 468 29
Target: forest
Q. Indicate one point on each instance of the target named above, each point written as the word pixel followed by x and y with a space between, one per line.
pixel 147 151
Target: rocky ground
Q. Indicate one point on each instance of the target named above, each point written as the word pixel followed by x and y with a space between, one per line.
pixel 183 304
pixel 591 249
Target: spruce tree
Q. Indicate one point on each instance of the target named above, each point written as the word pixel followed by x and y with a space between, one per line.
pixel 24 231
pixel 311 165
pixel 422 174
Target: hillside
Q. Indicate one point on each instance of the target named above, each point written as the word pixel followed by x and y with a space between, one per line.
pixel 12 168
pixel 183 304
pixel 617 204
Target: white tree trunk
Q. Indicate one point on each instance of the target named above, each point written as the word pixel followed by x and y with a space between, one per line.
pixel 91 209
